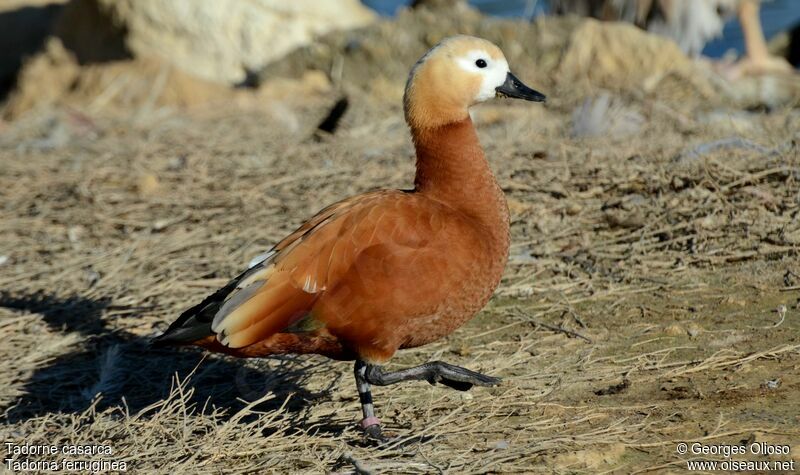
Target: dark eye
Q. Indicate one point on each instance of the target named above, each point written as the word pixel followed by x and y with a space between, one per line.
pixel 480 63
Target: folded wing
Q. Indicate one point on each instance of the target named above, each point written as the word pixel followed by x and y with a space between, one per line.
pixel 276 294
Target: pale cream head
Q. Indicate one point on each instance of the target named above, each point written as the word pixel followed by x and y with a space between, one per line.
pixel 455 74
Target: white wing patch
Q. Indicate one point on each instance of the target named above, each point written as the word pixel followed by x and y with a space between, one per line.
pixel 260 258
pixel 258 272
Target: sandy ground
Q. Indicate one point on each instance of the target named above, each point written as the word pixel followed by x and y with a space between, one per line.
pixel 651 295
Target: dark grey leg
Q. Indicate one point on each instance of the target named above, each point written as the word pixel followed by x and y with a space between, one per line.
pixel 433 372
pixel 370 423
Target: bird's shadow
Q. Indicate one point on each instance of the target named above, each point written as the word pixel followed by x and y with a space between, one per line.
pixel 128 371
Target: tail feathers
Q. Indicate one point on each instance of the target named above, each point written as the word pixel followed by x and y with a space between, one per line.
pixel 192 332
pixel 195 323
pixel 189 327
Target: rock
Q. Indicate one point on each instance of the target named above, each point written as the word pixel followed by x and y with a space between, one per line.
pixel 770 90
pixel 148 184
pixel 501 445
pixel 675 330
pixel 221 41
pixel 606 52
pixel 137 86
pixel 693 329
pixel 75 234
pixel 619 56
pixel 689 23
pixel 43 80
pixel 55 77
pixel 573 209
pixel 375 60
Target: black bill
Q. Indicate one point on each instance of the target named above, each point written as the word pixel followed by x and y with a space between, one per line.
pixel 513 87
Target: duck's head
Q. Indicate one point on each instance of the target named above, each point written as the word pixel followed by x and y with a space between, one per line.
pixel 455 74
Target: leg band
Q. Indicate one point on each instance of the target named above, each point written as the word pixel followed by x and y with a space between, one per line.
pixel 369 422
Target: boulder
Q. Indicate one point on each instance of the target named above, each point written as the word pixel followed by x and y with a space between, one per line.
pixel 224 40
pixel 612 53
pixel 55 77
pixel 619 56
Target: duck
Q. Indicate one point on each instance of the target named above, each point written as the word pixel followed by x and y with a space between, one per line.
pixel 388 269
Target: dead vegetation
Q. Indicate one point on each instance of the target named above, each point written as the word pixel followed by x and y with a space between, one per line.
pixel 650 297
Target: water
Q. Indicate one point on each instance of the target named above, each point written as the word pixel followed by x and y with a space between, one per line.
pixel 776 16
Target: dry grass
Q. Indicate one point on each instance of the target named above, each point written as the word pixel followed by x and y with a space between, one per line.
pixel 670 251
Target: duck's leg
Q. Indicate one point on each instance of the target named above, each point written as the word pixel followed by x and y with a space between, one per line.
pixel 370 423
pixel 433 372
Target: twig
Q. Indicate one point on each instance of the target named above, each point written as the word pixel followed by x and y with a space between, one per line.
pixel 755 177
pixel 360 468
pixel 571 333
pixel 560 330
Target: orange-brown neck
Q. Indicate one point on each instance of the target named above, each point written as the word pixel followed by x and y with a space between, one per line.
pixel 452 168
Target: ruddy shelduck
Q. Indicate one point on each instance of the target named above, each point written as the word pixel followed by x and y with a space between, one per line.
pixel 389 269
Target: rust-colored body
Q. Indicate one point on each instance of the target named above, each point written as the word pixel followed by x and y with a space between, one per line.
pixel 384 270
pixel 387 269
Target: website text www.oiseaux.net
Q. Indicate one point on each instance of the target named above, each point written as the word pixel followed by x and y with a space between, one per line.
pixel 767 453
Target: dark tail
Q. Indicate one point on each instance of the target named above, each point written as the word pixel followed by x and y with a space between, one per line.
pixel 195 323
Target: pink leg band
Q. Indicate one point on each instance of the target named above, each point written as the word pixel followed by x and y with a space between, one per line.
pixel 369 422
